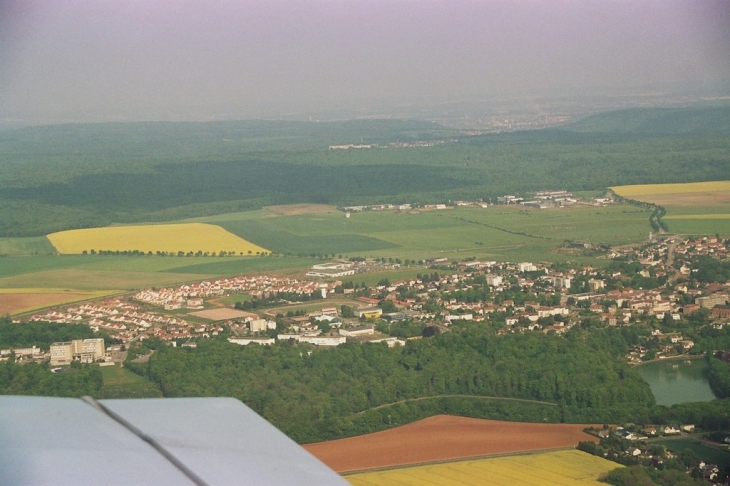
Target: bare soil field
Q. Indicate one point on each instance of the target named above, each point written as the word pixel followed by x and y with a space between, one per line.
pixel 15 303
pixel 294 209
pixel 691 199
pixel 221 314
pixel 444 438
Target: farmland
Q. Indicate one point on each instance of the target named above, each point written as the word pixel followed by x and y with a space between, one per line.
pixel 442 438
pixel 498 232
pixel 95 272
pixel 15 301
pixel 169 238
pixel 549 468
pixel 298 234
pixel 692 208
pixel 674 189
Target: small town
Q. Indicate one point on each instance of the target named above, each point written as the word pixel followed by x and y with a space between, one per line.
pixel 653 290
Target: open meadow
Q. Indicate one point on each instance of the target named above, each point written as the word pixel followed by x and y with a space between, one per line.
pixel 131 273
pixel 122 383
pixel 511 233
pixel 561 468
pixel 693 208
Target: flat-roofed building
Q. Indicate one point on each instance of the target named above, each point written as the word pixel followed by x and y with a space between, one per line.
pixel 370 312
pixel 92 350
pixel 357 331
pixel 61 354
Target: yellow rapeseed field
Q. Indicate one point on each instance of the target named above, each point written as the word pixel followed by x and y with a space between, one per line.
pixel 653 189
pixel 561 468
pixel 171 238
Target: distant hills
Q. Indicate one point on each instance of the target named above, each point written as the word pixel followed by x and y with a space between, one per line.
pixel 667 121
pixel 61 177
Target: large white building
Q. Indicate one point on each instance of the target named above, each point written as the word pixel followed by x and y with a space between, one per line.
pixel 85 350
pixel 61 354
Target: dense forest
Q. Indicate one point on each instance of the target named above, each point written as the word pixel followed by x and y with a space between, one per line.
pixel 318 394
pixel 36 379
pixel 315 394
pixel 61 177
pixel 719 376
pixel 41 334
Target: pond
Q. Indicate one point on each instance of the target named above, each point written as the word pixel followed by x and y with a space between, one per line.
pixel 675 381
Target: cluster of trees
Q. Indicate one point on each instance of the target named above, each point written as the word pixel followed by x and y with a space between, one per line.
pixel 718 375
pixel 276 300
pixel 165 253
pixel 318 396
pixel 41 334
pixel 37 379
pixel 710 269
pixel 672 471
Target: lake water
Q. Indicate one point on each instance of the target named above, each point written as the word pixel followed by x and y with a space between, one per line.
pixel 675 381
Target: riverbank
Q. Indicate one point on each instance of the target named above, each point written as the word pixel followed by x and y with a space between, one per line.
pixel 670 358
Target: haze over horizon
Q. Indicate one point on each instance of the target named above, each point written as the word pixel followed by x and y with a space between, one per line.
pixel 133 60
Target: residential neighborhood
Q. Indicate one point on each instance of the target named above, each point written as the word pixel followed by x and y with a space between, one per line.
pixel 652 286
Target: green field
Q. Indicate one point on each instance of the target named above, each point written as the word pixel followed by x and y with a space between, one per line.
pixel 498 233
pixel 38 245
pixel 121 383
pixel 699 226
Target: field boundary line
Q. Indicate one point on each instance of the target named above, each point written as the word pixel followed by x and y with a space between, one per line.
pixel 460 459
pixel 518 233
pixel 481 397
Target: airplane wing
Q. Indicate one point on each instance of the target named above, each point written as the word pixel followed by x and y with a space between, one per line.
pixel 213 441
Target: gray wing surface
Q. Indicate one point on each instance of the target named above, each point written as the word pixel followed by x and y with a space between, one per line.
pixel 215 441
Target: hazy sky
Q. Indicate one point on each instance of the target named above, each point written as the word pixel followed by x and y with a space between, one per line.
pixel 96 60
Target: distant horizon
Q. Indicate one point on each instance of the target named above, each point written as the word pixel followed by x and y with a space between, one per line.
pixel 122 60
pixel 454 118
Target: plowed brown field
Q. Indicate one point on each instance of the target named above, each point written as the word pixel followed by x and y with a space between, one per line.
pixel 15 302
pixel 443 438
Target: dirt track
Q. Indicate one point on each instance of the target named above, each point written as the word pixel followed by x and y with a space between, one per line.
pixel 294 209
pixel 443 438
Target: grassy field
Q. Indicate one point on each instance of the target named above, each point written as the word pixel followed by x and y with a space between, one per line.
pixel 93 272
pixel 122 383
pixel 171 238
pixel 497 233
pixel 39 245
pixel 83 279
pixel 551 468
